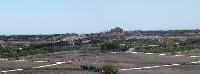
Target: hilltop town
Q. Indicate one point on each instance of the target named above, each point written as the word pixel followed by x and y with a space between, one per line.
pixel 114 34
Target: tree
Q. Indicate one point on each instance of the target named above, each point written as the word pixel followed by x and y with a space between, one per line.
pixel 109 46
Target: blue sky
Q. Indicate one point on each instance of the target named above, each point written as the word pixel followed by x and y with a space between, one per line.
pixel 87 16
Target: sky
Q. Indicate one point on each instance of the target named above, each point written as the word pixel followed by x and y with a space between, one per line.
pixel 91 16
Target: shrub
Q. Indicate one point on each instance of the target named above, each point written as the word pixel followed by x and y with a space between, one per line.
pixel 90 68
pixel 109 70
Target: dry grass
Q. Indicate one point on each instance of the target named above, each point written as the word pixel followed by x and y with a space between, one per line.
pixel 119 60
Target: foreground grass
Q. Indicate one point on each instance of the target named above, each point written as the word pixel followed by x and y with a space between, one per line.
pixel 5 68
pixel 188 67
pixel 68 69
pixel 137 62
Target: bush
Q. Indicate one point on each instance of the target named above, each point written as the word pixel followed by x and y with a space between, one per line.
pixel 90 68
pixel 84 67
pixel 109 70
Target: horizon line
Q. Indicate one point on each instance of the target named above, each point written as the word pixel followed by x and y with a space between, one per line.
pixel 97 32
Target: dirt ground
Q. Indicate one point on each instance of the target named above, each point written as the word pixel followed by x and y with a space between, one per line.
pixel 120 60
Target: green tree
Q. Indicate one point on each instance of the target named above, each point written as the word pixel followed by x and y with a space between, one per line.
pixel 109 46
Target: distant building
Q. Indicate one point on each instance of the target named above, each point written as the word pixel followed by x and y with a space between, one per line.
pixel 116 30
